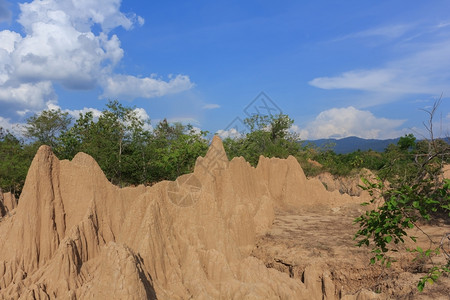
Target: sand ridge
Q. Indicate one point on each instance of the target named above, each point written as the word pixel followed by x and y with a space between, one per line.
pixel 74 235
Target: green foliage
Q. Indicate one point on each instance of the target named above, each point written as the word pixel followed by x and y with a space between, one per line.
pixel 417 193
pixel 174 149
pixel 115 140
pixel 127 152
pixel 121 143
pixel 346 164
pixel 45 127
pixel 269 136
pixel 407 142
pixel 15 159
pixel 435 272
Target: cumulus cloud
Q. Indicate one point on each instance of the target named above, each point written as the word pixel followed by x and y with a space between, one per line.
pixel 14 128
pixel 230 133
pixel 144 117
pixel 82 14
pixel 76 112
pixel 129 87
pixel 59 45
pixel 142 114
pixel 301 132
pixel 27 96
pixel 349 121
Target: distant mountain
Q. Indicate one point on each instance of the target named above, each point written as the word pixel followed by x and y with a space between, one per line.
pixel 353 143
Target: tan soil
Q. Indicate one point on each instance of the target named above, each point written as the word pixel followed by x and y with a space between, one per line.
pixel 7 203
pixel 321 238
pixel 226 231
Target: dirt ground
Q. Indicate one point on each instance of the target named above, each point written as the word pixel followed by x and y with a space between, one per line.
pixel 322 236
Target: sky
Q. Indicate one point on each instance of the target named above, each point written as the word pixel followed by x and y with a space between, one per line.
pixel 338 68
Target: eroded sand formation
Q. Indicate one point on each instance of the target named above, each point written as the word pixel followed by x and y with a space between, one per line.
pixel 346 185
pixel 74 235
pixel 7 203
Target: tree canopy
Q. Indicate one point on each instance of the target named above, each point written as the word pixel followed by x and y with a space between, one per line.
pixel 46 126
pixel 269 136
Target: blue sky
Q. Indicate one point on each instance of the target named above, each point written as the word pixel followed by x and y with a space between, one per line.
pixel 338 68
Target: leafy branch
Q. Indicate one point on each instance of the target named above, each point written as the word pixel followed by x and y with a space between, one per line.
pixel 418 193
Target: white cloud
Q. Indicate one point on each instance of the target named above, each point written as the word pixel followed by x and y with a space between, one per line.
pixel 230 133
pixel 141 20
pixel 302 133
pixel 426 72
pixel 144 117
pixel 8 40
pixel 76 112
pixel 26 96
pixel 369 80
pixel 422 66
pixel 183 120
pixel 60 46
pixel 142 114
pixel 389 31
pixel 82 14
pixel 129 87
pixel 443 24
pixel 14 128
pixel 349 121
pixel 211 106
pixel 196 130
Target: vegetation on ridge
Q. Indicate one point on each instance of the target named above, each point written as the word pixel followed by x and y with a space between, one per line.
pixel 130 152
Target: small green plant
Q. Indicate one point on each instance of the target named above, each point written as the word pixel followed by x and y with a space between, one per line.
pixel 435 272
pixel 419 194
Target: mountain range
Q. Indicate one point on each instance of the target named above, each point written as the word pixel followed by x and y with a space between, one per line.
pixel 351 144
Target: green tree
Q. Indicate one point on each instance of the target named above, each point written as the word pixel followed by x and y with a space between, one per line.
pixel 47 126
pixel 174 148
pixel 112 140
pixel 15 159
pixel 127 152
pixel 407 142
pixel 269 136
pixel 417 193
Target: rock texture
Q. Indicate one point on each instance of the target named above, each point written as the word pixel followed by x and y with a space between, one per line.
pixel 7 203
pixel 346 185
pixel 74 235
pixel 446 171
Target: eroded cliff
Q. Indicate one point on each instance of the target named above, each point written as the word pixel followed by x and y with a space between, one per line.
pixel 74 235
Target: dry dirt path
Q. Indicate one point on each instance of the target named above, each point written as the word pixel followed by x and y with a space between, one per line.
pixel 320 239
